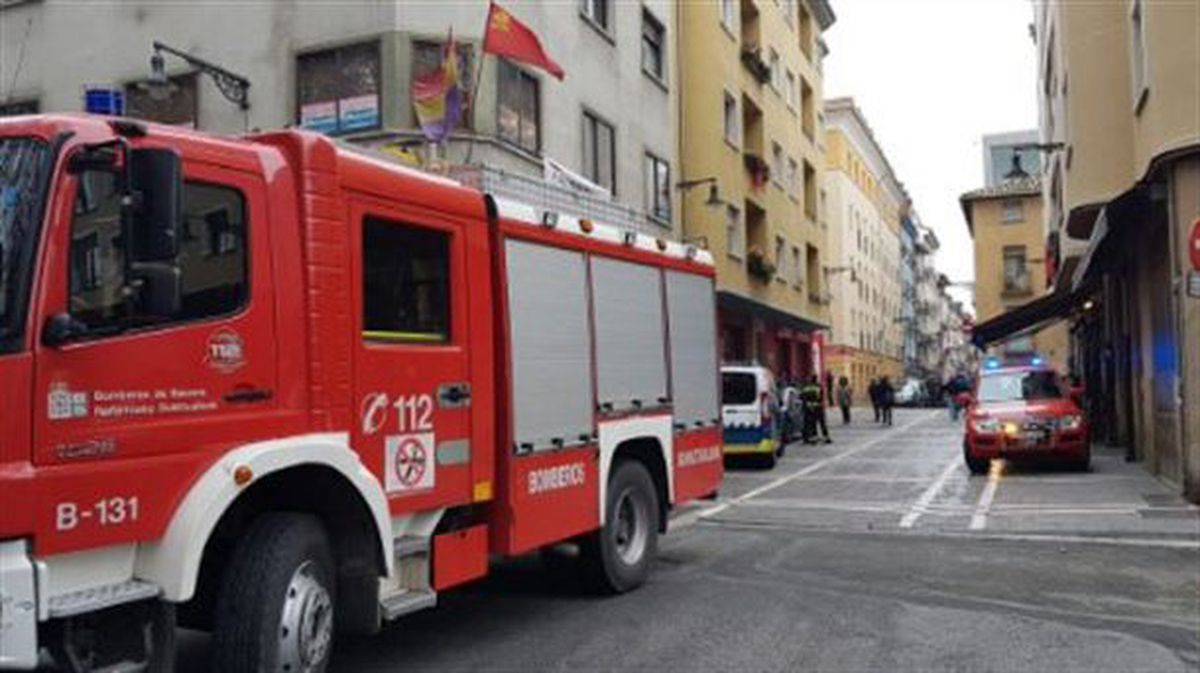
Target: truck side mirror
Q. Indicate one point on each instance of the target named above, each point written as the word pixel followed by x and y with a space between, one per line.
pixel 156 208
pixel 160 288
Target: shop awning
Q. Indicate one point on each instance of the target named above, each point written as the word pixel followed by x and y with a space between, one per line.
pixel 744 305
pixel 1031 316
pixel 1109 236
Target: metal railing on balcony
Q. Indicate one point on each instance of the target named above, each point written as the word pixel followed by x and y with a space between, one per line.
pixel 1018 284
pixel 546 195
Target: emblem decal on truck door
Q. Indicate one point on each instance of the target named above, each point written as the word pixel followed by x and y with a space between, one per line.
pixel 409 462
pixel 225 351
pixel 63 403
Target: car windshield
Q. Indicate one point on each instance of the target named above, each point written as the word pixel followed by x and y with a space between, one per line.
pixel 1019 386
pixel 737 388
pixel 21 161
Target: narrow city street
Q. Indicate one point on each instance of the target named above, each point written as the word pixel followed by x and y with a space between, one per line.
pixel 876 552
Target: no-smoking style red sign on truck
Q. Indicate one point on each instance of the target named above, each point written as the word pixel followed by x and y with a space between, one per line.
pixel 268 386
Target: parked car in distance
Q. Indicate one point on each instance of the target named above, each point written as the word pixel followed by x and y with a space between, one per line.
pixel 750 412
pixel 1024 413
pixel 911 393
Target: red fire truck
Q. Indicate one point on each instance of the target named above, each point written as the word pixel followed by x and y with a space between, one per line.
pixel 276 389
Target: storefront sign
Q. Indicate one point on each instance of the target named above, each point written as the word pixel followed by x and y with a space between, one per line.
pixel 359 112
pixel 319 117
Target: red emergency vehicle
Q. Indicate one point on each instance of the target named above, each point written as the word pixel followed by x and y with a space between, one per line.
pixel 277 389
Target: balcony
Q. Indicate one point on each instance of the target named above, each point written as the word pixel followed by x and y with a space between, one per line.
pixel 753 60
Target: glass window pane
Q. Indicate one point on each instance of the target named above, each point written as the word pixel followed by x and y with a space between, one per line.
pixel 406 282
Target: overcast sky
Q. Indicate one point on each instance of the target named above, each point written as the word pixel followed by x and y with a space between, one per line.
pixel 932 77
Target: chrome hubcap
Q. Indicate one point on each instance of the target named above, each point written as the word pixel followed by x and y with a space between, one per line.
pixel 306 630
pixel 631 527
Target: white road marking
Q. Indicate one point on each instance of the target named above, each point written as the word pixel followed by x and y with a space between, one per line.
pixel 690 518
pixel 920 506
pixel 979 518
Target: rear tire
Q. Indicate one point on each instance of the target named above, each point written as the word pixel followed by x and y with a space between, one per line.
pixel 275 607
pixel 617 557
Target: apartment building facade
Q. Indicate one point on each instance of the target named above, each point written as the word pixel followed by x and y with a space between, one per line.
pixel 751 179
pixel 601 142
pixel 1119 94
pixel 866 203
pixel 1007 231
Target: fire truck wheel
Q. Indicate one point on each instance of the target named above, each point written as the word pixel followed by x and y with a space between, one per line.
pixel 617 557
pixel 275 609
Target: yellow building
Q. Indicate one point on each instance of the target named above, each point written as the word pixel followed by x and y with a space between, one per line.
pixel 751 158
pixel 865 201
pixel 1006 227
pixel 1119 97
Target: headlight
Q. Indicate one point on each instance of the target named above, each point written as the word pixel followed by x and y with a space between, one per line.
pixel 1072 422
pixel 985 425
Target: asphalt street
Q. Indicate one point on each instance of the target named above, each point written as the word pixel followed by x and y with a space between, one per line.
pixel 875 553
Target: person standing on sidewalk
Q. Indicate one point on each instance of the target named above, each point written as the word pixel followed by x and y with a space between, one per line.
pixel 814 410
pixel 845 396
pixel 873 393
pixel 887 400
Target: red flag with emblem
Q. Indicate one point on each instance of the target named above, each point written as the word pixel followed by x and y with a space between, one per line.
pixel 507 37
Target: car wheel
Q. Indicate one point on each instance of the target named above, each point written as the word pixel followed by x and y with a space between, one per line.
pixel 975 465
pixel 275 608
pixel 617 558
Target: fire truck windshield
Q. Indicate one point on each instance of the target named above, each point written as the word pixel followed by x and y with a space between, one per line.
pixel 22 191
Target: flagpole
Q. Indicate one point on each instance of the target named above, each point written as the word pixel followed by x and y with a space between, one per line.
pixel 475 85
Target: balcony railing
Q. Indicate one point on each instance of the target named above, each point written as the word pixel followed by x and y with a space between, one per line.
pixel 1017 285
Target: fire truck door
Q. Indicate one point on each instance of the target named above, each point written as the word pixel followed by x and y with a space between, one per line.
pixel 412 367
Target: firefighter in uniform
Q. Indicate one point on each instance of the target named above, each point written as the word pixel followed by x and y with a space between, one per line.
pixel 814 411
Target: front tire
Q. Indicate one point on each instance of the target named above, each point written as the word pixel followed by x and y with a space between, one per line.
pixel 977 466
pixel 275 608
pixel 617 558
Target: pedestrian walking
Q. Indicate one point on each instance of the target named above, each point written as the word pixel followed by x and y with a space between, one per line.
pixel 873 393
pixel 887 400
pixel 814 412
pixel 845 396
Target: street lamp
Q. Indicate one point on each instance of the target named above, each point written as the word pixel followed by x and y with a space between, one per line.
pixel 234 87
pixel 714 199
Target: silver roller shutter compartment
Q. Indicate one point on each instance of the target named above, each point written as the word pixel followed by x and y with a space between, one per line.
pixel 551 347
pixel 691 315
pixel 631 368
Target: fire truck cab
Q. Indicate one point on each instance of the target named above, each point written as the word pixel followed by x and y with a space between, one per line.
pixel 277 389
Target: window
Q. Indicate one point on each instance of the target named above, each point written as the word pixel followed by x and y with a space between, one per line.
pixel 1013 211
pixel 807 109
pixel 793 178
pixel 789 12
pixel 180 108
pixel 729 14
pixel 1016 276
pixel 812 267
pixel 338 89
pixel 19 107
pixel 731 119
pixel 806 33
pixel 597 13
pixel 599 152
pixel 427 57
pixel 810 191
pixel 518 108
pixel 654 50
pixel 797 268
pixel 780 259
pixel 658 188
pixel 790 89
pixel 213 284
pixel 777 164
pixel 1137 34
pixel 406 282
pixel 776 74
pixel 735 235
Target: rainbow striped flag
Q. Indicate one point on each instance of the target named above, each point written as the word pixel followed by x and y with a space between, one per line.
pixel 438 96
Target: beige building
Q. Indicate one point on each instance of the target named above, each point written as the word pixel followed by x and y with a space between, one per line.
pixel 1006 226
pixel 865 202
pixel 1120 119
pixel 751 159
